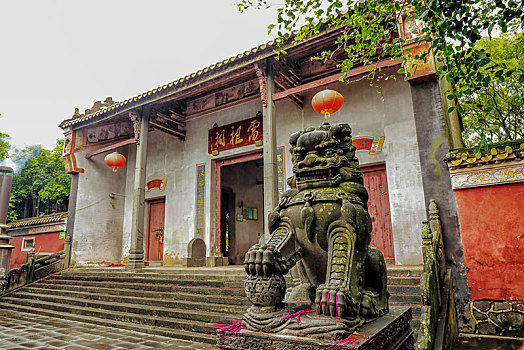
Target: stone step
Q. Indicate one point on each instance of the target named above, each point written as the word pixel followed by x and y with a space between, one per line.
pixel 229 291
pixel 404 289
pixel 193 271
pixel 231 271
pixel 405 271
pixel 235 277
pixel 115 298
pixel 217 299
pixel 167 332
pixel 415 309
pixel 405 281
pixel 130 308
pixel 405 299
pixel 415 325
pixel 153 279
pixel 190 325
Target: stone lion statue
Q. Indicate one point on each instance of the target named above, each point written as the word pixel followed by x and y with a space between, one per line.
pixel 320 233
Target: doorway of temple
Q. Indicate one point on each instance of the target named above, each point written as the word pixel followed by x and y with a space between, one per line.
pixel 240 200
pixel 376 183
pixel 155 231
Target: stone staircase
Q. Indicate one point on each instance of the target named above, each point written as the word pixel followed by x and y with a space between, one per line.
pixel 404 290
pixel 176 302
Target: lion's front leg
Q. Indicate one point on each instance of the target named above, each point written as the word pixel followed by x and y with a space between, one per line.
pixel 277 256
pixel 337 297
pixel 341 295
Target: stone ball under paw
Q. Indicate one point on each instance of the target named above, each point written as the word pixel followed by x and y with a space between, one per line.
pixel 265 291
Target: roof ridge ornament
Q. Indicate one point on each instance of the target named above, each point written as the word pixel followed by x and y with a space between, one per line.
pixel 97 106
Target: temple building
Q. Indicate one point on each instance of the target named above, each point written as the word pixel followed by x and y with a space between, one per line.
pixel 207 157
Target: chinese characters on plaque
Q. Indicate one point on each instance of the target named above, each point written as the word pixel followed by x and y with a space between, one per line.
pixel 281 173
pixel 160 184
pixel 242 133
pixel 200 199
pixel 369 144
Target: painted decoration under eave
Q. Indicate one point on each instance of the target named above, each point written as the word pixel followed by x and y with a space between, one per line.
pixel 115 160
pixel 327 102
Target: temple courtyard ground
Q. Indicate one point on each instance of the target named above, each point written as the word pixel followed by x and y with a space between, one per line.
pixel 20 330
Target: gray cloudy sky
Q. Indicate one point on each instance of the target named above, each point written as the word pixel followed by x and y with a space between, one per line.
pixel 56 55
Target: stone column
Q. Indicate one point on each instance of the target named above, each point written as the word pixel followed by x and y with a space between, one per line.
pixel 270 147
pixel 6 180
pixel 136 250
pixel 433 146
pixel 71 213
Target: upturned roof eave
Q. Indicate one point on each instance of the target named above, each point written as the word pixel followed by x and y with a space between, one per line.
pixel 216 70
pixel 156 94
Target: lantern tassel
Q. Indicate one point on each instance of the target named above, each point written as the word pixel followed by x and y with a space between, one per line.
pixel 114 169
pixel 327 115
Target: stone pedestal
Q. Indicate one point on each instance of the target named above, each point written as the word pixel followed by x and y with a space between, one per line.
pixel 213 261
pixel 391 331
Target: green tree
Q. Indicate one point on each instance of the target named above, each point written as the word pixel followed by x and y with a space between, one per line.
pixel 496 112
pixel 369 33
pixel 4 145
pixel 40 186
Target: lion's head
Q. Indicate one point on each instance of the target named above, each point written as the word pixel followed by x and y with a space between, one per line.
pixel 323 157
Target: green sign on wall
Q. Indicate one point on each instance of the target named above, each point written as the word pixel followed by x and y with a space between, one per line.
pixel 62 235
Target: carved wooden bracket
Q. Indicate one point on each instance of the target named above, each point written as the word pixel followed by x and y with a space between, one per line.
pixel 136 120
pixel 260 68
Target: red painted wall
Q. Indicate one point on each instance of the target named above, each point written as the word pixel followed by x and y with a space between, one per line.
pixel 44 242
pixel 492 227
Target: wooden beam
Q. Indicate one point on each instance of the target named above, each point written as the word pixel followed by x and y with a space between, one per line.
pixel 335 78
pixel 111 147
pixel 289 69
pixel 297 100
pixel 163 127
pixel 176 114
pixel 227 105
pixel 171 119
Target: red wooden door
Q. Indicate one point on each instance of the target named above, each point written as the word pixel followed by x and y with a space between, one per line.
pixel 155 230
pixel 378 205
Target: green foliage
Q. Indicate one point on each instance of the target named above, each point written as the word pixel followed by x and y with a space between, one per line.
pixel 4 145
pixel 40 186
pixel 370 33
pixel 11 210
pixel 495 112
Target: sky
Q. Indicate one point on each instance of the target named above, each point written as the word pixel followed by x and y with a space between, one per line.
pixel 56 55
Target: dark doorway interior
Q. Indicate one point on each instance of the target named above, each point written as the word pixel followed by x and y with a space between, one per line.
pixel 242 219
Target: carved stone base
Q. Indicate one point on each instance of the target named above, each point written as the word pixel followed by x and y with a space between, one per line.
pixel 213 261
pixel 391 331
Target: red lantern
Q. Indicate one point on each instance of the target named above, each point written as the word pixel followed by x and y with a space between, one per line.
pixel 327 101
pixel 115 160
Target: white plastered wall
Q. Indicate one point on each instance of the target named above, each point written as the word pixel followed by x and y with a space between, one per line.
pixel 369 113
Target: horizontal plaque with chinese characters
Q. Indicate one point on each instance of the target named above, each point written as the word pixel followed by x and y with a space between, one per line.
pixel 242 133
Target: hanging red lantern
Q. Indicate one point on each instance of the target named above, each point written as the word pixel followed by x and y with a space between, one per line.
pixel 327 101
pixel 115 160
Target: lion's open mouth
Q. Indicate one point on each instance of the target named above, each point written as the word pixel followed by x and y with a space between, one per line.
pixel 314 175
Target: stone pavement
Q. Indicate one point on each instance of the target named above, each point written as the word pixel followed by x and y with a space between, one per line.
pixel 20 330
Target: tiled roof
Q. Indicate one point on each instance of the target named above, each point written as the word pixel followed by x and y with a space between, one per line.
pixel 47 219
pixel 256 52
pixel 495 153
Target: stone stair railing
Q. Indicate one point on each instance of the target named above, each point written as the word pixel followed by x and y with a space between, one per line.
pixel 438 319
pixel 34 269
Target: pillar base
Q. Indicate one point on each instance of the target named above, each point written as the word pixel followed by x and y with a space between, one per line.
pixel 136 261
